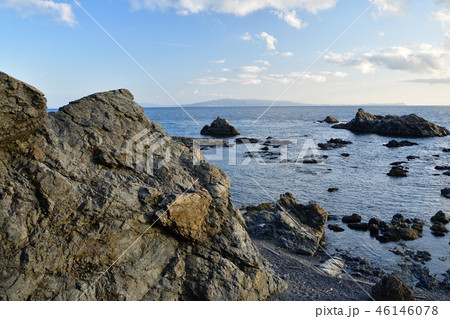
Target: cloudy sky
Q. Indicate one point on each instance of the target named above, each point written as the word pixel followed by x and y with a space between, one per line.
pixel 196 50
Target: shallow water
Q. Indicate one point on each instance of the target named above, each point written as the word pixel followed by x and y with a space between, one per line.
pixel 364 187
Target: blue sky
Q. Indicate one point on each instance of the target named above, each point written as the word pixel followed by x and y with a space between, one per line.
pixel 203 49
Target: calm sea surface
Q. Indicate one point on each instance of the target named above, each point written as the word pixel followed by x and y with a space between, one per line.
pixel 364 187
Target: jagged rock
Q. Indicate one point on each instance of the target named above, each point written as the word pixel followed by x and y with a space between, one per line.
pixel 333 144
pixel 445 192
pixel 396 144
pixel 354 218
pixel 391 288
pixel 440 217
pixel 22 109
pixel 219 128
pixel 299 228
pixel 399 228
pixel 72 203
pixel 390 125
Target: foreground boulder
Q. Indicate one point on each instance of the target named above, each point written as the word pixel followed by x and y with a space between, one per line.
pixel 219 128
pixel 391 288
pixel 296 227
pixel 390 125
pixel 80 220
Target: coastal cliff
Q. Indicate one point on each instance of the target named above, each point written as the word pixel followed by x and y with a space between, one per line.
pixel 80 221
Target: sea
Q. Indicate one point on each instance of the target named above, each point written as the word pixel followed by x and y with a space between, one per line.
pixel 364 187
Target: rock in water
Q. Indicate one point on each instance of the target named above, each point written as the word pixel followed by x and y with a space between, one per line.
pixel 396 144
pixel 440 217
pixel 390 125
pixel 445 192
pixel 330 120
pixel 219 128
pixel 391 288
pixel 296 227
pixel 71 203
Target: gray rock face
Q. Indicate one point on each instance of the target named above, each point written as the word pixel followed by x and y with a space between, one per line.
pixel 398 126
pixel 296 227
pixel 219 128
pixel 71 204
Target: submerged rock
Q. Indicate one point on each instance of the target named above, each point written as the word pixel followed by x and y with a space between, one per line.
pixel 335 228
pixel 445 192
pixel 333 144
pixel 396 144
pixel 390 125
pixel 219 128
pixel 298 228
pixel 72 202
pixel 391 288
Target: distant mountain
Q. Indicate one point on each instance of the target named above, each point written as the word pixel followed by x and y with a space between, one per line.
pixel 246 102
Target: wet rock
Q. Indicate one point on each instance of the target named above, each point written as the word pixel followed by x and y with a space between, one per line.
pixel 391 288
pixel 333 189
pixel 397 163
pixel 442 168
pixel 421 256
pixel 445 192
pixel 396 144
pixel 358 226
pixel 446 150
pixel 399 126
pixel 439 227
pixel 219 128
pixel 398 171
pixel 298 228
pixel 263 206
pixel 79 203
pixel 335 228
pixel 345 155
pixel 399 229
pixel 447 173
pixel 354 218
pixel 440 217
pixel 412 157
pixel 333 144
pixel 311 159
pixel 245 140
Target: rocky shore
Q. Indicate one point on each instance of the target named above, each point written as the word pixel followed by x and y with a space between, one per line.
pixel 79 220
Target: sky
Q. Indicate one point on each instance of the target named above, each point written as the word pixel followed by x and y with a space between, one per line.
pixel 185 51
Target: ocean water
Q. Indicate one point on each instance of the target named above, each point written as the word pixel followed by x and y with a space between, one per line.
pixel 364 187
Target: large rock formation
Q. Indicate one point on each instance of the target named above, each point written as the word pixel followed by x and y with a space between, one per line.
pixel 390 125
pixel 219 128
pixel 80 220
pixel 298 228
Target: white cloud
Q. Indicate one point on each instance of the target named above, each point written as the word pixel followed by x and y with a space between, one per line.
pixel 270 40
pixel 225 70
pixel 218 61
pixel 442 16
pixel 238 7
pixel 263 62
pixel 418 58
pixel 381 33
pixel 287 54
pixel 290 17
pixel 432 81
pixel 252 69
pixel 246 36
pixel 62 11
pixel 195 92
pixel 273 79
pixel 397 8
